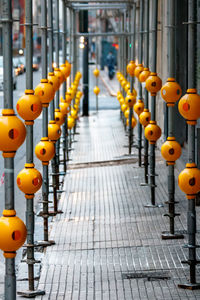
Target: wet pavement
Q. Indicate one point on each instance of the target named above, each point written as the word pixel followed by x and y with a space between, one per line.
pixel 107 243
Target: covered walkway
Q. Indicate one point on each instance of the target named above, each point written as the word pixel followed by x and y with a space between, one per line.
pixel 108 245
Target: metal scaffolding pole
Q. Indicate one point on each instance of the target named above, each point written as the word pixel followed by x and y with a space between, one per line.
pixel 191 213
pixel 10 277
pixel 120 51
pixel 96 6
pixel 67 57
pixel 103 34
pixel 153 101
pixel 45 183
pixel 57 44
pixel 124 45
pixel 70 45
pixel 146 94
pixel 29 145
pixel 129 37
pixel 140 60
pixel 96 57
pixel 84 28
pixel 52 104
pixel 74 43
pixel 64 87
pixel 171 74
pixel 77 44
pixel 132 23
pixel 74 54
pixel 30 216
pixel 123 60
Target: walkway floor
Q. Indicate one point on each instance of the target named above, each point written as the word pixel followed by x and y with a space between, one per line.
pixel 105 236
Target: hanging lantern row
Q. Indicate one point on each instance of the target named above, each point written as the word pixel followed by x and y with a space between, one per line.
pixel 189 108
pixel 12 135
pixel 153 84
pixel 96 89
pixel 129 101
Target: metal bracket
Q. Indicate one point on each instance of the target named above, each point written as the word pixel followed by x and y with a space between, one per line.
pixel 31 261
pixel 166 235
pixel 28 24
pixel 31 294
pixel 171 215
pixel 57 191
pixel 190 23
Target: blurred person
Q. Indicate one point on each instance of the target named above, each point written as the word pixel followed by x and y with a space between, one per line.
pixel 110 62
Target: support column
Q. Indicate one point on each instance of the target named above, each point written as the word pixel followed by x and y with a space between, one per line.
pixel 140 60
pixel 191 214
pixel 84 29
pixel 171 234
pixel 146 94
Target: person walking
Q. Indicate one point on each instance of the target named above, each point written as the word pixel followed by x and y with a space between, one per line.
pixel 110 61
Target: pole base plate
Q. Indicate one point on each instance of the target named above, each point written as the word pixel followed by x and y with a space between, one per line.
pixel 166 235
pixel 189 286
pixel 144 184
pixel 31 294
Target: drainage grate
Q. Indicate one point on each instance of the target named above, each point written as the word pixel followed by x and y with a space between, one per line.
pixel 149 276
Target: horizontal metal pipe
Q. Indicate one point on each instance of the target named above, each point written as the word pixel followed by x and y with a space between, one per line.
pixel 68 2
pixel 96 7
pixel 78 35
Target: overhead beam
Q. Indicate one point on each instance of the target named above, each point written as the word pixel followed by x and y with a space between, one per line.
pixel 100 1
pixel 93 34
pixel 97 6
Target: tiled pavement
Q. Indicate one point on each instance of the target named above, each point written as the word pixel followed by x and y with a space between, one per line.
pixel 105 233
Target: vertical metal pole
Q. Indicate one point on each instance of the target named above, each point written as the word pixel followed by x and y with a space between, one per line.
pixel 29 144
pixel 45 183
pixel 131 57
pixel 84 28
pixel 124 45
pixel 70 44
pixel 120 46
pixel 52 104
pixel 171 74
pixel 96 56
pixel 74 55
pixel 77 44
pixel 191 214
pixel 140 58
pixel 119 49
pixel 10 277
pixel 146 94
pixel 64 41
pixel 70 60
pixel 74 43
pixel 129 37
pixel 153 98
pixel 57 44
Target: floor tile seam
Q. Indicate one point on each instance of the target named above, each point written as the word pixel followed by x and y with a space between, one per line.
pixel 158 242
